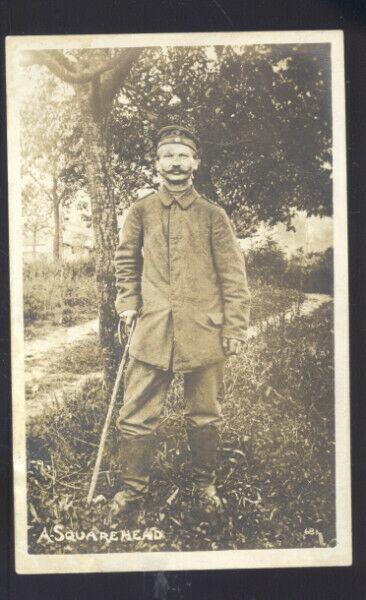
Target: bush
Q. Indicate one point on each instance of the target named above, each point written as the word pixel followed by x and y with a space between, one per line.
pixel 46 269
pixel 311 272
pixel 267 263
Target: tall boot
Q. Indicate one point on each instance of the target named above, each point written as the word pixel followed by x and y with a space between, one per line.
pixel 204 442
pixel 136 455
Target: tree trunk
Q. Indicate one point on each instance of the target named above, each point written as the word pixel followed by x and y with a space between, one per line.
pixel 60 233
pixel 34 245
pixel 203 183
pixel 56 231
pixel 104 222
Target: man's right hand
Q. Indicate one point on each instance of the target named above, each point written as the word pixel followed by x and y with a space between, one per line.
pixel 128 316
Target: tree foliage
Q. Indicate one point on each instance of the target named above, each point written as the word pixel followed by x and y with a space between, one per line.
pixel 263 115
pixel 36 213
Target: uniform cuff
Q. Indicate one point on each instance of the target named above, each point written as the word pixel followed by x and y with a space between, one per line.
pixel 234 334
pixel 122 304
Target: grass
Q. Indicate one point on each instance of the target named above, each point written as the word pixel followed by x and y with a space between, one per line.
pixel 267 300
pixel 276 463
pixel 55 296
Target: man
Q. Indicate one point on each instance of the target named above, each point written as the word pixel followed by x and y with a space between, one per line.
pixel 188 291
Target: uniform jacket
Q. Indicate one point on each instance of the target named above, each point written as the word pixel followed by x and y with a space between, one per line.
pixel 179 264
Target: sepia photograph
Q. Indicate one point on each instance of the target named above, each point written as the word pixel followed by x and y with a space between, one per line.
pixel 179 301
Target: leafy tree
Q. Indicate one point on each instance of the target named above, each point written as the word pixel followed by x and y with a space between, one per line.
pixel 263 114
pixel 51 151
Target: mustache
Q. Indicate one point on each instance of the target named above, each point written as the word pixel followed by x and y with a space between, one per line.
pixel 177 170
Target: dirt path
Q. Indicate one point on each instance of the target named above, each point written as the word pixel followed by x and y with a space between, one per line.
pixel 43 386
pixel 41 353
pixel 59 339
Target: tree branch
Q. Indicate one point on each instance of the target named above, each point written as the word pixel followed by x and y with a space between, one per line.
pixel 63 194
pixel 54 60
pixel 41 185
pixel 60 66
pixel 113 79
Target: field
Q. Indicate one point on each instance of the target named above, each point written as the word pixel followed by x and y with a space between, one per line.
pixel 276 463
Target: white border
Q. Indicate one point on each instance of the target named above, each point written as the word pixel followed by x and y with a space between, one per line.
pixel 223 559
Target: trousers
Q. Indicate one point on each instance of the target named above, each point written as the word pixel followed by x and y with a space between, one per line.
pixel 146 388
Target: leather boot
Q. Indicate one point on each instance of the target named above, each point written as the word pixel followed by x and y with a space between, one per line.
pixel 203 442
pixel 136 455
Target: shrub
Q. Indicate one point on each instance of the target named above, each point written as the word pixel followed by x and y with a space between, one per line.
pixel 311 272
pixel 267 262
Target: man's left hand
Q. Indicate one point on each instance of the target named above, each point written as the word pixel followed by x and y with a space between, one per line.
pixel 230 346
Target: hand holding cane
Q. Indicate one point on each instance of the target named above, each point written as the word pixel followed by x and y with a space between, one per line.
pixel 109 413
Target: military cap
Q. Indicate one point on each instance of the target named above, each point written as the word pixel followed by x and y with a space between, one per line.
pixel 176 134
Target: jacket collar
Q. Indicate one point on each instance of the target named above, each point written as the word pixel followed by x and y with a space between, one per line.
pixel 184 201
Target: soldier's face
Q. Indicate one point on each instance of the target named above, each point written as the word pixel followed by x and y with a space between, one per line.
pixel 176 162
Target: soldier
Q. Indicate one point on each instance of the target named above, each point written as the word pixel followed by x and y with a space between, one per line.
pixel 189 294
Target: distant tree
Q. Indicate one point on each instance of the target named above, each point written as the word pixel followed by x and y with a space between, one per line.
pixel 320 271
pixel 37 218
pixel 50 145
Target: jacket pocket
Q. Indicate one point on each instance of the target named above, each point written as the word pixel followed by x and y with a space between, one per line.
pixel 216 318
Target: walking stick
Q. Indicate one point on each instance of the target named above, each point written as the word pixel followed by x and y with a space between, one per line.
pixel 109 415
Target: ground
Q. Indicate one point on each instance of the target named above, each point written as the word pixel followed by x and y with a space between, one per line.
pixel 276 463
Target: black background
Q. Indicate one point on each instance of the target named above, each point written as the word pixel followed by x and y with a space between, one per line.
pixel 53 17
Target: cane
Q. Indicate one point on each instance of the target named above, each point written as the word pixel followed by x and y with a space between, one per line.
pixel 109 415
